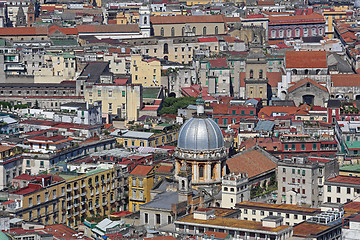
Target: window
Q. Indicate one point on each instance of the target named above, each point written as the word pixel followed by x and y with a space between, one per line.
pixel 284 170
pixel 314 146
pixel 123 93
pixel 201 170
pixel 253 212
pixel 216 30
pixel 338 200
pixel 286 147
pixel 99 93
pixel 225 121
pixel 262 213
pixel 30 202
pixel 302 146
pixel 303 172
pixel 194 30
pixel 261 73
pixel 28 163
pixel 281 33
pixel 288 32
pixel 313 31
pixel 251 73
pixel 338 189
pixel 273 33
pixel 348 190
pixel 162 31
pixel 41 164
pixel 297 32
pixel 329 188
pixel 204 30
pixel 110 93
pixel 173 32
pixel 157 217
pixel 169 219
pixel 306 33
pixel 329 199
pixel 293 146
pixel 110 107
pixel 54 193
pixel 233 112
pixel 183 31
pixel 166 48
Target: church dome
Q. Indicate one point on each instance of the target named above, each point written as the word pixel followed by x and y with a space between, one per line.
pixel 200 134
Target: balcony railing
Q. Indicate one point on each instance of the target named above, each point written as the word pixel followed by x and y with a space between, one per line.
pixel 112 201
pixel 68 189
pixel 76 188
pixel 69 207
pixel 68 198
pixel 105 203
pixel 83 194
pixel 83 185
pixel 91 208
pixel 76 196
pixel 76 204
pixel 97 205
pixel 76 213
pixel 69 215
pixel 83 211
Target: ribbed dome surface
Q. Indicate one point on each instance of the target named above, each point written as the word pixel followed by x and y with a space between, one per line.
pixel 200 134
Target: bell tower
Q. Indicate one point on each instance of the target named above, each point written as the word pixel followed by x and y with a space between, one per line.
pixel 144 21
pixel 184 181
pixel 256 81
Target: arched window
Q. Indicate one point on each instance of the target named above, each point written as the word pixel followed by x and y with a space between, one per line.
pixel 288 32
pixel 173 32
pixel 294 71
pixel 297 32
pixel 313 31
pixel 166 48
pixel 273 33
pixel 251 73
pixel 145 20
pixel 306 71
pixel 204 30
pixel 216 30
pixel 162 31
pixel 225 189
pixel 261 73
pixel 194 30
pixel 183 31
pixel 182 184
pixel 201 170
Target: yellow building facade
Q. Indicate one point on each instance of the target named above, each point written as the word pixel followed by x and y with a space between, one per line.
pixel 141 181
pixel 330 15
pixel 123 100
pixel 145 72
pixel 148 139
pixel 39 204
pixel 87 195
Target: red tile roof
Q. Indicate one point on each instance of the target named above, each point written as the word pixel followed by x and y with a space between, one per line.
pixel 267 3
pixel 207 39
pixel 274 78
pixel 305 59
pixel 217 235
pixel 305 81
pixel 187 19
pixel 306 229
pixel 141 170
pixel 345 179
pixel 252 162
pixel 296 19
pixel 345 80
pixel 28 189
pixel 66 31
pixel 23 31
pixel 218 63
pixel 25 177
pixel 232 19
pixel 164 169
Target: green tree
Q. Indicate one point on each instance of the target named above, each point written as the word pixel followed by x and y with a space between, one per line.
pixel 171 104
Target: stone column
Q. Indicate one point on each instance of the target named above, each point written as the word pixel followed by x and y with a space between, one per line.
pixel 218 166
pixel 207 172
pixel 195 171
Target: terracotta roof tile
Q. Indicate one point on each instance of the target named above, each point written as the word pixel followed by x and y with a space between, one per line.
pixel 345 179
pixel 114 28
pixel 307 229
pixel 141 170
pixel 305 59
pixel 345 80
pixel 218 63
pixel 296 19
pixel 304 81
pixel 252 162
pixel 23 31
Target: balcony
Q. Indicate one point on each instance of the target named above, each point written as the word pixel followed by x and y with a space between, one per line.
pixel 76 196
pixel 97 192
pixel 76 213
pixel 69 215
pixel 83 202
pixel 68 189
pixel 76 188
pixel 76 204
pixel 108 180
pixel 69 198
pixel 112 201
pixel 96 183
pixel 83 185
pixel 83 194
pixel 69 207
pixel 83 211
pixel 105 203
pixel 97 205
pixel 91 208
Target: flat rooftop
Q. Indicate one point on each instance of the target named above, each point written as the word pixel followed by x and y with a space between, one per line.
pixel 279 207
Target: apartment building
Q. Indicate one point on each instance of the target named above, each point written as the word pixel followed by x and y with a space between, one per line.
pixel 145 71
pixel 221 220
pixel 91 193
pixel 292 214
pixel 122 101
pixel 341 189
pixel 298 182
pixel 141 181
pixel 148 139
pixel 39 200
